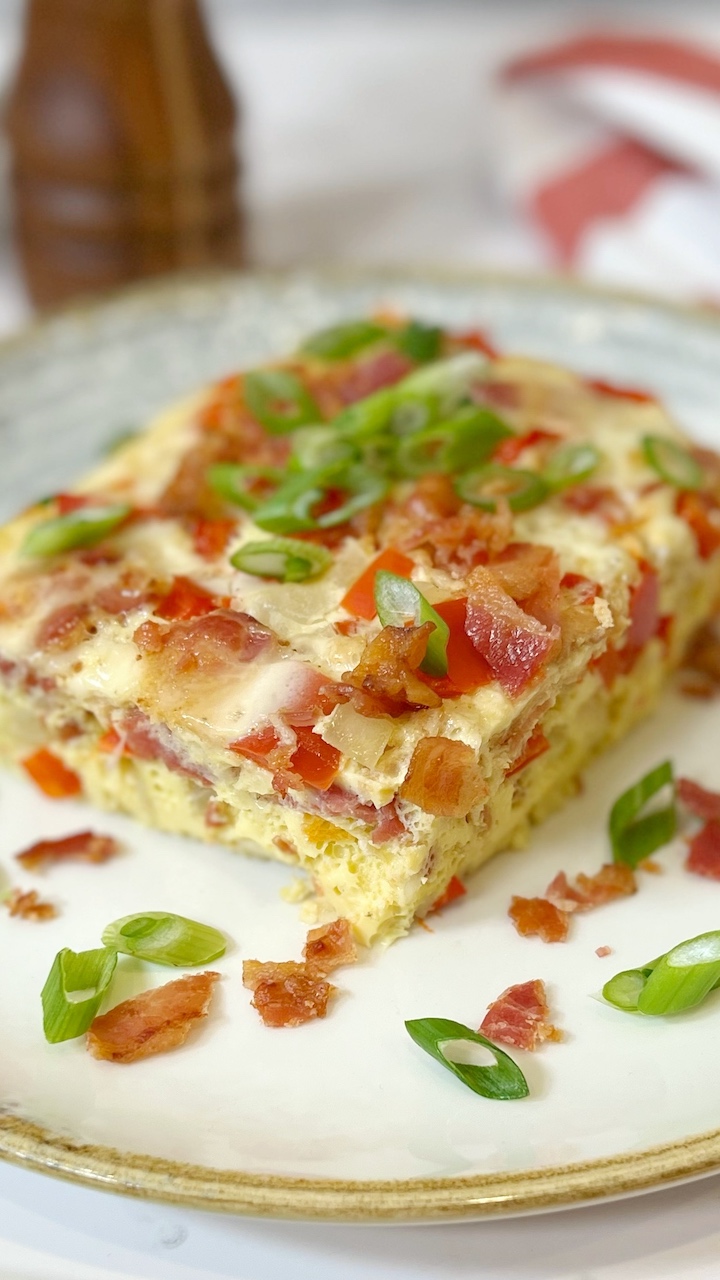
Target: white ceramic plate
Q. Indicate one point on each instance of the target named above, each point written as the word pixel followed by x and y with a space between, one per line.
pixel 347 1118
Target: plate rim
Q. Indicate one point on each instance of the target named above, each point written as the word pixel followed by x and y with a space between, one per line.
pixel 25 1143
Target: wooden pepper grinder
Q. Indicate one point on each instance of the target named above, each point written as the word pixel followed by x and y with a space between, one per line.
pixel 121 127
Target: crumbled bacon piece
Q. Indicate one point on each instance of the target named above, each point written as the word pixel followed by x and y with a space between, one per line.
pixel 210 537
pixel 520 1017
pixel 704 853
pixel 459 542
pixel 510 449
pixel 597 500
pixel 288 993
pixel 153 1022
pixel 385 823
pixel 702 512
pixel 369 375
pixel 613 880
pixel 531 575
pixel 206 643
pixel 85 846
pixel 65 627
pixel 537 916
pixel 514 643
pixel 603 951
pixel 131 590
pixel 454 889
pixel 703 803
pixel 28 905
pixel 139 737
pixel 185 600
pixel 444 778
pixel 385 676
pixel 328 947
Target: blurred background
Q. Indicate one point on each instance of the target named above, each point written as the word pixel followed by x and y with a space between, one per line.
pixel 145 135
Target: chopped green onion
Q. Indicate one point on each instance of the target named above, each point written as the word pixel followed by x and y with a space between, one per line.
pixel 424 396
pixel 465 440
pixel 165 938
pixel 633 836
pixel 623 990
pixel 482 488
pixel 672 463
pixel 503 1081
pixel 81 528
pixel 570 464
pixel 343 340
pixel 398 603
pixel 316 447
pixel 289 508
pixel 234 482
pixel 278 400
pixel 421 342
pixel 74 972
pixel 367 417
pixel 287 559
pixel 677 981
pixel 364 488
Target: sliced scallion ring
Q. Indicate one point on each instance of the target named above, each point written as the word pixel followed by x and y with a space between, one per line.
pixel 501 1081
pixel 461 442
pixel 85 975
pixel 316 447
pixel 398 603
pixel 521 489
pixel 342 340
pixel 234 482
pixel 623 990
pixel 635 836
pixel 287 559
pixel 674 464
pixel 363 488
pixel 571 464
pixel 677 981
pixel 278 400
pixel 165 938
pixel 289 509
pixel 83 527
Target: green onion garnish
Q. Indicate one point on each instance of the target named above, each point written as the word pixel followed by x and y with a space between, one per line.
pixel 81 528
pixel 287 559
pixel 502 1081
pixel 165 938
pixel 634 836
pixel 84 974
pixel 398 603
pixel 672 463
pixel 289 509
pixel 363 487
pixel 316 447
pixel 343 340
pixel 483 487
pixel 570 464
pixel 421 342
pixel 466 440
pixel 278 400
pixel 677 981
pixel 234 482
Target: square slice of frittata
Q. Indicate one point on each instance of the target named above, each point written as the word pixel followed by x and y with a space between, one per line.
pixel 368 610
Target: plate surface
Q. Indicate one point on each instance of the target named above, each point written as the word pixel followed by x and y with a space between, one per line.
pixel 346 1118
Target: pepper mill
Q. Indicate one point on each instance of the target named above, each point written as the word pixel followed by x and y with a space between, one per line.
pixel 123 163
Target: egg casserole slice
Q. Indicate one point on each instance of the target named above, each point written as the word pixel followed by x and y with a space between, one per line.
pixel 367 611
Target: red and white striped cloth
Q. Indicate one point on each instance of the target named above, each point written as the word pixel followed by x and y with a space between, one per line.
pixel 613 148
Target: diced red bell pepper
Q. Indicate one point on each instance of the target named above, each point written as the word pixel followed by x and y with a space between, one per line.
pixel 69 502
pixel 509 449
pixel 360 598
pixel 210 537
pixel 475 340
pixel 52 776
pixel 315 760
pixel 185 600
pixel 455 889
pixel 536 746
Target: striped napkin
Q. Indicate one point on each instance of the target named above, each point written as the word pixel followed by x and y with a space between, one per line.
pixel 612 146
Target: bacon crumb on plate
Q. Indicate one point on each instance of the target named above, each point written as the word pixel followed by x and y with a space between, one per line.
pixel 603 951
pixel 537 916
pixel 153 1022
pixel 704 854
pixel 328 947
pixel 613 880
pixel 28 905
pixel 703 803
pixel 84 846
pixel 51 775
pixel 520 1017
pixel 288 993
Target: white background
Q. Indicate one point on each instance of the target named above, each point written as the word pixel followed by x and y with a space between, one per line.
pixel 368 136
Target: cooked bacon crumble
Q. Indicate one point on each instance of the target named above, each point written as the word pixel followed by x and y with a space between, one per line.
pixel 28 905
pixel 289 993
pixel 153 1022
pixel 85 846
pixel 521 1017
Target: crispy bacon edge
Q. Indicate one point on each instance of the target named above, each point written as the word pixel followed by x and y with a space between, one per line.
pixel 154 1022
pixel 289 993
pixel 85 846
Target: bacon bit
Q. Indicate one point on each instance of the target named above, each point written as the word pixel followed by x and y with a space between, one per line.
pixel 185 600
pixel 308 760
pixel 64 627
pixel 210 537
pixel 366 376
pixel 644 623
pixel 85 846
pixel 28 906
pixel 207 643
pixel 52 776
pixel 704 804
pixel 513 643
pixel 537 916
pixel 475 340
pixel 531 575
pixel 602 388
pixel 444 778
pixel 217 814
pixel 585 589
pixel 597 500
pixel 613 880
pixel 520 1017
pixel 536 746
pixel 360 599
pixel 704 854
pixel 693 684
pixel 285 994
pixel 144 740
pixel 328 947
pixel 131 590
pixel 455 889
pixel 509 449
pixel 701 673
pixel 69 502
pixel 702 513
pixel 603 951
pixel 385 677
pixel 650 865
pixel 153 1022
